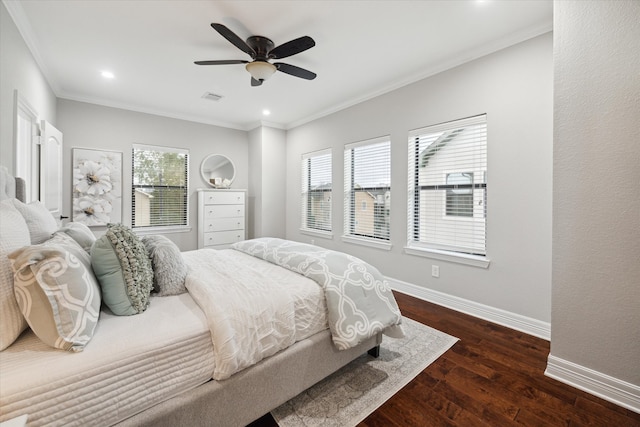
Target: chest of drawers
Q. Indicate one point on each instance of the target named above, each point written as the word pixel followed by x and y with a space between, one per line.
pixel 221 218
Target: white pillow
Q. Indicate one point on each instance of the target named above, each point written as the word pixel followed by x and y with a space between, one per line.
pixel 39 220
pixel 80 233
pixel 14 234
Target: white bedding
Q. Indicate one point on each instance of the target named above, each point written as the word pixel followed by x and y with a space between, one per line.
pixel 132 363
pixel 254 308
pixel 135 362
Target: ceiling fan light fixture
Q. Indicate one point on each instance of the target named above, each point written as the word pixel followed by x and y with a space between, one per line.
pixel 260 70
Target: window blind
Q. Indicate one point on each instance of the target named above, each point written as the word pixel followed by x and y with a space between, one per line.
pixel 160 186
pixel 447 188
pixel 367 189
pixel 316 191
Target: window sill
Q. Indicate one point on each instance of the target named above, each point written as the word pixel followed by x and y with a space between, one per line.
pixel 323 234
pixel 142 231
pixel 372 243
pixel 473 260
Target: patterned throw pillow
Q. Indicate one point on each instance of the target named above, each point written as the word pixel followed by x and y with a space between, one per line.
pixel 39 220
pixel 169 268
pixel 80 233
pixel 14 234
pixel 121 264
pixel 57 292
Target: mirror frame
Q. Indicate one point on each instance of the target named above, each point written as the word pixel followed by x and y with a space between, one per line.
pixel 226 183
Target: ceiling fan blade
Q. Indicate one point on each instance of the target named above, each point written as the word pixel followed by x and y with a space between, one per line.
pixel 234 39
pixel 221 62
pixel 292 47
pixel 255 82
pixel 295 71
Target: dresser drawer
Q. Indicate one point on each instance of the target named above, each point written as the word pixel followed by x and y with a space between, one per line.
pixel 224 198
pixel 223 224
pixel 223 237
pixel 223 211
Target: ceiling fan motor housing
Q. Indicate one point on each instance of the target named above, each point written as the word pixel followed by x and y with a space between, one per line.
pixel 261 46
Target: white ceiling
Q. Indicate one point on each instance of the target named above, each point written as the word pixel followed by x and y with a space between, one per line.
pixel 363 49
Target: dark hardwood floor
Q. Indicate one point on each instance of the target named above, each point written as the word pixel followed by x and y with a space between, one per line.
pixel 494 376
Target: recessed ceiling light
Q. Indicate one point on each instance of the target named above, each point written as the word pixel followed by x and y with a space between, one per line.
pixel 266 112
pixel 108 75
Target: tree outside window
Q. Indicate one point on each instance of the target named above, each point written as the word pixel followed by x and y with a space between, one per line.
pixel 160 186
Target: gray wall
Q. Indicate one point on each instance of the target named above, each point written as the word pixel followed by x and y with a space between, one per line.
pixel 514 88
pixel 267 179
pixel 92 126
pixel 596 173
pixel 273 181
pixel 254 192
pixel 19 71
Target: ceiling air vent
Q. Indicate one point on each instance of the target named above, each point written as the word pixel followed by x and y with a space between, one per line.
pixel 212 96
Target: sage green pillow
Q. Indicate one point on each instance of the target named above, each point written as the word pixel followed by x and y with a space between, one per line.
pixel 121 264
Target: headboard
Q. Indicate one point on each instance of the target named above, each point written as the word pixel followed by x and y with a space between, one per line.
pixel 10 186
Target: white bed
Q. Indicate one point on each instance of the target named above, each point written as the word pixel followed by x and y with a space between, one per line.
pixel 156 368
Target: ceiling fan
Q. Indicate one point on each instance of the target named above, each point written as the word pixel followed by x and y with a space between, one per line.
pixel 261 50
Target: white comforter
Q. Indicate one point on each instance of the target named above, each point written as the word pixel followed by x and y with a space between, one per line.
pixel 254 309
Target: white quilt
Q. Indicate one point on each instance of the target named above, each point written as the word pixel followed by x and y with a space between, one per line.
pixel 254 309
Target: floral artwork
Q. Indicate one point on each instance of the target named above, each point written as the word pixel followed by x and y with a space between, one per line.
pixel 97 186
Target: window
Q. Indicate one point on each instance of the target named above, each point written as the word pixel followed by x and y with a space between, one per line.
pixel 367 189
pixel 459 194
pixel 316 191
pixel 160 189
pixel 448 187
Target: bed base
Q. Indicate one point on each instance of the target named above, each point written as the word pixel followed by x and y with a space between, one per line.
pixel 252 393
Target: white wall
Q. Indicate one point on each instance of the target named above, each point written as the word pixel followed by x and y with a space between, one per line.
pixel 93 126
pixel 514 88
pixel 596 202
pixel 19 71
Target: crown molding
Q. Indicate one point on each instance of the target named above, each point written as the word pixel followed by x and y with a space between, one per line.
pixel 467 56
pixel 28 35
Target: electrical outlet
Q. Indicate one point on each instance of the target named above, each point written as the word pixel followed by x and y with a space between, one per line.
pixel 435 271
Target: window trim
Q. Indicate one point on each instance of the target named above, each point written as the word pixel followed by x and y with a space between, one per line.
pixel 424 249
pixel 455 257
pixel 349 216
pixel 145 230
pixel 304 208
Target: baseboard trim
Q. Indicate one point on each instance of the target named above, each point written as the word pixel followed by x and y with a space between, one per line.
pixel 593 382
pixel 502 317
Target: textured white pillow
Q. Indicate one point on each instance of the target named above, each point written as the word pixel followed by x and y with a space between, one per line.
pixel 14 234
pixel 169 268
pixel 39 220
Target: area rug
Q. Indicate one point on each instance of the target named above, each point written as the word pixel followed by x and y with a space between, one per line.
pixel 349 395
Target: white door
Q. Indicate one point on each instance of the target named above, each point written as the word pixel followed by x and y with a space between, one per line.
pixel 51 168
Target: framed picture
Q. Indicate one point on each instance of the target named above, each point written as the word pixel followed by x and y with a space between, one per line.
pixel 97 186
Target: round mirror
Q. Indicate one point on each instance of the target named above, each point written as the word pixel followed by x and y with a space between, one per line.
pixel 218 170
